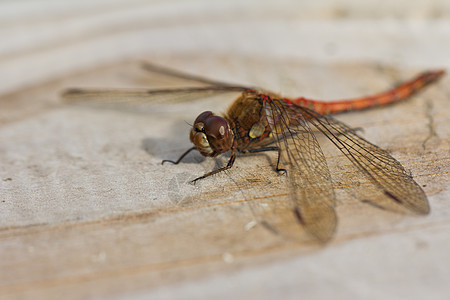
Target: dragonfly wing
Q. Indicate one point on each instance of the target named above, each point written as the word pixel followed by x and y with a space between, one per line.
pixel 136 96
pixel 310 181
pixel 181 75
pixel 384 170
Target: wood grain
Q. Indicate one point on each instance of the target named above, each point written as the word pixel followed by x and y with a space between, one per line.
pixel 88 211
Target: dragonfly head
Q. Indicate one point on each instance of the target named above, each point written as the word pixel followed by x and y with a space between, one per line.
pixel 211 134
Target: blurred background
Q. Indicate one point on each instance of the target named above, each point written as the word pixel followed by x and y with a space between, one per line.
pixel 45 39
pixel 86 209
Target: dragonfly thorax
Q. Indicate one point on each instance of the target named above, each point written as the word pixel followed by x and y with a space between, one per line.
pixel 211 134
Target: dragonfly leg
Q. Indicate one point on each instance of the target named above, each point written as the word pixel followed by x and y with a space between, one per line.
pixel 279 170
pixel 180 158
pixel 228 166
pixel 262 149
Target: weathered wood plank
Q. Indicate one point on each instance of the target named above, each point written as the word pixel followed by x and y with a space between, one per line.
pixel 87 210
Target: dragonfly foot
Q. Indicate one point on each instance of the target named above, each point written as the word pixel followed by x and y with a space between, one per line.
pixel 179 159
pixel 197 179
pixel 281 171
pixel 170 161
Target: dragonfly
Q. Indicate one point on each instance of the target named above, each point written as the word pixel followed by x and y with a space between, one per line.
pixel 260 120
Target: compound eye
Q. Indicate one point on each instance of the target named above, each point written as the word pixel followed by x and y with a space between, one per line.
pixel 216 127
pixel 202 117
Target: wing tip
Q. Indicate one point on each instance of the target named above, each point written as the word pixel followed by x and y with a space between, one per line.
pixel 421 207
pixel 323 229
pixel 70 94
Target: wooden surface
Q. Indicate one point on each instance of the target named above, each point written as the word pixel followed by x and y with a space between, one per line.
pixel 88 211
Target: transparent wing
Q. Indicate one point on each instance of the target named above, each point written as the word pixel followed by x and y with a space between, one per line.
pixel 383 170
pixel 307 170
pixel 181 75
pixel 135 96
pixel 144 96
